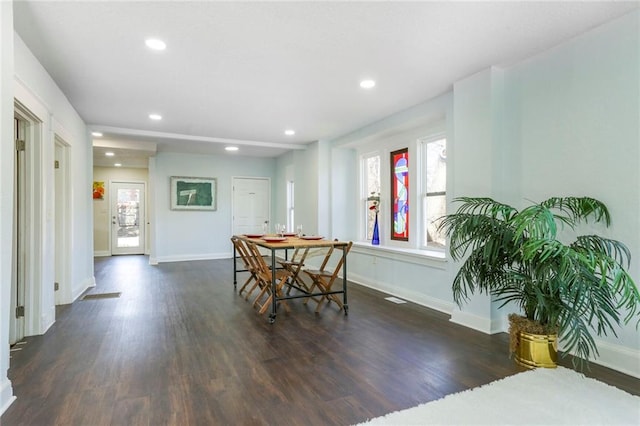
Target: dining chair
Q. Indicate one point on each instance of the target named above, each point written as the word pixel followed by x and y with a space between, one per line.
pixel 243 252
pixel 296 264
pixel 264 277
pixel 324 278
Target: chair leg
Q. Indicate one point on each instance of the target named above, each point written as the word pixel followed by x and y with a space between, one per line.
pixel 313 287
pixel 265 305
pixel 246 283
pixel 264 290
pixel 320 302
pixel 255 285
pixel 336 299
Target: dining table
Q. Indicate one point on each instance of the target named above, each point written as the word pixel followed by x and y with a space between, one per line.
pixel 284 243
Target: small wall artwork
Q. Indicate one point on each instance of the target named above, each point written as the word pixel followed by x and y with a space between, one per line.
pixel 400 195
pixel 193 193
pixel 98 190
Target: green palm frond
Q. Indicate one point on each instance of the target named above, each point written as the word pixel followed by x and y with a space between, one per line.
pixel 580 289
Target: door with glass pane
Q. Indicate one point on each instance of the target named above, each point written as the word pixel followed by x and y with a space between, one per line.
pixel 127 217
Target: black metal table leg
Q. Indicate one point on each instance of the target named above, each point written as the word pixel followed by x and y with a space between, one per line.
pixel 274 302
pixel 344 281
pixel 235 269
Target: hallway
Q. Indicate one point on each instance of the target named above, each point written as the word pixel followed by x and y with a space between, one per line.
pixel 180 347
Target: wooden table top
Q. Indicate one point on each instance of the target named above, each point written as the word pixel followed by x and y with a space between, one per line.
pixel 292 242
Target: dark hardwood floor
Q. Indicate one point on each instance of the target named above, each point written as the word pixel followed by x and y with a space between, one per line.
pixel 181 347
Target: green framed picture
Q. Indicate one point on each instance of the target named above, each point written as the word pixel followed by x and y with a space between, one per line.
pixel 193 193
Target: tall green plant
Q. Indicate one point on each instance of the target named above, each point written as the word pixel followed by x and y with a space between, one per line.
pixel 573 289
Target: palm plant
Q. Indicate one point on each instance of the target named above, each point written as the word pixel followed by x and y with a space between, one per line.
pixel 572 289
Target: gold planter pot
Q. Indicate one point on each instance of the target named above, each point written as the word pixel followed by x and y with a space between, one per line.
pixel 537 350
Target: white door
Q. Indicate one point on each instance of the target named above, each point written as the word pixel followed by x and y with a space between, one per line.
pixel 127 217
pixel 251 204
pixel 18 280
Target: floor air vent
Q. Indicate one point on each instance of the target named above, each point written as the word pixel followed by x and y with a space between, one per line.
pixel 101 296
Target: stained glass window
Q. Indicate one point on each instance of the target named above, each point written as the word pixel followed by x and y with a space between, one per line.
pixel 400 195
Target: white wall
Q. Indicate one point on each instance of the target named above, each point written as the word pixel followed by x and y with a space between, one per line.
pixel 284 170
pixel 305 166
pixel 6 193
pixel 42 90
pixel 578 112
pixel 23 77
pixel 188 235
pixel 566 122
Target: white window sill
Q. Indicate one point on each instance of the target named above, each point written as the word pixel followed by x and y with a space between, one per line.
pixel 432 258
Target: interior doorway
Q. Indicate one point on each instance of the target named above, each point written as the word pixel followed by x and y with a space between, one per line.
pixel 251 205
pixel 127 215
pixel 19 240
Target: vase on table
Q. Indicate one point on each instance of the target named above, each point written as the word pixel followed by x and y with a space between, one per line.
pixel 376 233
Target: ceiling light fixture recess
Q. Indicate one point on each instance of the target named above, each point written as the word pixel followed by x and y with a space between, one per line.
pixel 109 154
pixel 367 84
pixel 118 165
pixel 289 132
pixel 96 134
pixel 156 117
pixel 155 44
pixel 231 148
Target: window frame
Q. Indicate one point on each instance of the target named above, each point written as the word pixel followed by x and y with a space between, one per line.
pixel 365 223
pixel 290 206
pixel 424 194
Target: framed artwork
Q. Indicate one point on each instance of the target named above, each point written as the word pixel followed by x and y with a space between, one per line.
pixel 400 194
pixel 193 193
pixel 98 190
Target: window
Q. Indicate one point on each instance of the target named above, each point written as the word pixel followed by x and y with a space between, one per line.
pixel 434 197
pixel 371 188
pixel 290 206
pixel 400 194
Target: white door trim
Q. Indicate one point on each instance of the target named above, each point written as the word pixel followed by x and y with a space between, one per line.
pixel 39 293
pixel 143 219
pixel 63 217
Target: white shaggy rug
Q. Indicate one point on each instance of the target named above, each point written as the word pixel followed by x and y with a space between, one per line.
pixel 538 397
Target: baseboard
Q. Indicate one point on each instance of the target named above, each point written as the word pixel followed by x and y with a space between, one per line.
pixel 101 253
pixel 500 325
pixel 408 295
pixel 475 322
pixel 189 257
pixel 6 395
pixel 86 284
pixel 619 358
pixel 48 320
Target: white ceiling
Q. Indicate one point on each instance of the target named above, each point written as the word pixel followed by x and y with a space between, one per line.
pixel 243 72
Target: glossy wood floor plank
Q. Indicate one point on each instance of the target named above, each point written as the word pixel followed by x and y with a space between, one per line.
pixel 180 347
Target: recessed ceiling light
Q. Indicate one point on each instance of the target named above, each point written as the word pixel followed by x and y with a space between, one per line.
pixel 367 84
pixel 289 132
pixel 155 44
pixel 96 134
pixel 109 154
pixel 231 148
pixel 156 117
pixel 118 165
